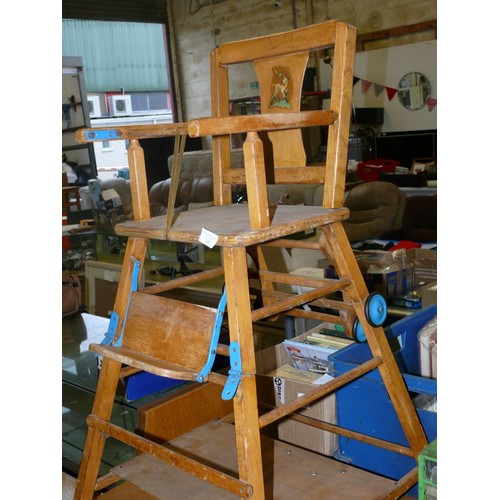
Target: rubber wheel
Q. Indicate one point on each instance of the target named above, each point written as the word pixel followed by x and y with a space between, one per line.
pixel 358 333
pixel 375 309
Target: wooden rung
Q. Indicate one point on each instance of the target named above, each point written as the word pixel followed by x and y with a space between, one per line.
pixel 319 392
pixel 170 455
pixel 322 302
pixel 294 301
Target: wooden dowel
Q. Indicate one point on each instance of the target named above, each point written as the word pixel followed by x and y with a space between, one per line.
pixel 319 392
pixel 284 305
pixel 341 431
pixel 184 281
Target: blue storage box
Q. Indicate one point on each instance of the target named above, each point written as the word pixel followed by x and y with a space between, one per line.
pixel 364 405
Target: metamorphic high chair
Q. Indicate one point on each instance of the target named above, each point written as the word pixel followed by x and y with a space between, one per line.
pixel 179 340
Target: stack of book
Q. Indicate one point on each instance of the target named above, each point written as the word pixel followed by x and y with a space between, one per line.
pixel 312 352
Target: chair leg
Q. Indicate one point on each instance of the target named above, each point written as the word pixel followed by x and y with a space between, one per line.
pixel 338 246
pixel 95 440
pixel 108 379
pixel 245 401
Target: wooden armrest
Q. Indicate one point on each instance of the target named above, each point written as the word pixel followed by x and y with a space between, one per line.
pixel 129 132
pixel 253 123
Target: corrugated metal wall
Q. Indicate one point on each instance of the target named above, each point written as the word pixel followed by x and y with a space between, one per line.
pixel 118 54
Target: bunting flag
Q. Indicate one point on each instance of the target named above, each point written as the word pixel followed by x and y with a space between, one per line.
pixel 378 89
pixel 365 86
pixel 391 92
pixel 431 103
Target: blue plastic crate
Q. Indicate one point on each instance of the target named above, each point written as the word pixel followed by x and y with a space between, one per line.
pixel 364 405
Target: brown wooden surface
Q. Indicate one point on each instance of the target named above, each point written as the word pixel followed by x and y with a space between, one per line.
pixel 289 472
pixel 231 224
pixel 127 491
pixel 168 329
pixel 246 415
pixel 182 411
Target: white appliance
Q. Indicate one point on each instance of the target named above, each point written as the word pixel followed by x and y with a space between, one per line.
pixel 120 105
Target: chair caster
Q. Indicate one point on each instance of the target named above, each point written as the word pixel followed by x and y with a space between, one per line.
pixel 376 313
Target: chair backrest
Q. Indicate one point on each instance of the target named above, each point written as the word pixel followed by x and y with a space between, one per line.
pixel 280 63
pixel 174 331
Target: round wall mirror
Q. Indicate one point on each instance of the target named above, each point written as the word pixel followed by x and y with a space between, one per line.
pixel 413 91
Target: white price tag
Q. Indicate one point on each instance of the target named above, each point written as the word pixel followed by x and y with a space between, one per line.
pixel 208 238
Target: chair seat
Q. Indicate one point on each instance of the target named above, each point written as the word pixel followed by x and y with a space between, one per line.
pixel 144 362
pixel 231 224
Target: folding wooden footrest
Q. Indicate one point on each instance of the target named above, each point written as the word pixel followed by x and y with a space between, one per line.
pixel 145 362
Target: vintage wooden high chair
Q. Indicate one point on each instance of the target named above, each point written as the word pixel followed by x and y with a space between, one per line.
pixel 178 340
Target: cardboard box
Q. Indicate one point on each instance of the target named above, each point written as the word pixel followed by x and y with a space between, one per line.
pixel 429 294
pixel 384 274
pixel 279 383
pixel 424 264
pixel 105 295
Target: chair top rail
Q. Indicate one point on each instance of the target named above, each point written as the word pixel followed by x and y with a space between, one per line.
pixel 299 40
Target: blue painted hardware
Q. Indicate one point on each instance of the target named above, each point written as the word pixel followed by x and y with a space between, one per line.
pixel 234 374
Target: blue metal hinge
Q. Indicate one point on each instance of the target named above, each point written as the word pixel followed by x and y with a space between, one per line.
pixel 234 374
pixel 215 338
pixel 102 135
pixel 113 322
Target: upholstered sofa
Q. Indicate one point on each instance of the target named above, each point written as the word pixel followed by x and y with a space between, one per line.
pixel 375 206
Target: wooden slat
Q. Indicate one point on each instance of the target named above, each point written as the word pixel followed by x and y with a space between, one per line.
pixel 314 37
pixel 282 175
pixel 168 329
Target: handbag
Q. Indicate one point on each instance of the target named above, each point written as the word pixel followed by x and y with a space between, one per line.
pixel 71 294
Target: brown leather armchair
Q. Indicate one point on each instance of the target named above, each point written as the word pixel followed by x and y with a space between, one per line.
pixel 375 207
pixel 419 223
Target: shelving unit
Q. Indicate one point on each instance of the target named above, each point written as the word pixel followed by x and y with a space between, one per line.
pixel 75 115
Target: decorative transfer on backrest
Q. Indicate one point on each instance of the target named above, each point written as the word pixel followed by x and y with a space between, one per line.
pixel 281 87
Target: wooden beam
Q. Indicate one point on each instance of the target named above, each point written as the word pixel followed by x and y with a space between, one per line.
pixel 394 32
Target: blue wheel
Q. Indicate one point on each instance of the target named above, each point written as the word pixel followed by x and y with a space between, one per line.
pixel 375 309
pixel 358 333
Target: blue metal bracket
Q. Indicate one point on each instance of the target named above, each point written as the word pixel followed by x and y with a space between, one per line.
pixel 113 323
pixel 234 374
pixel 110 334
pixel 215 338
pixel 102 135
